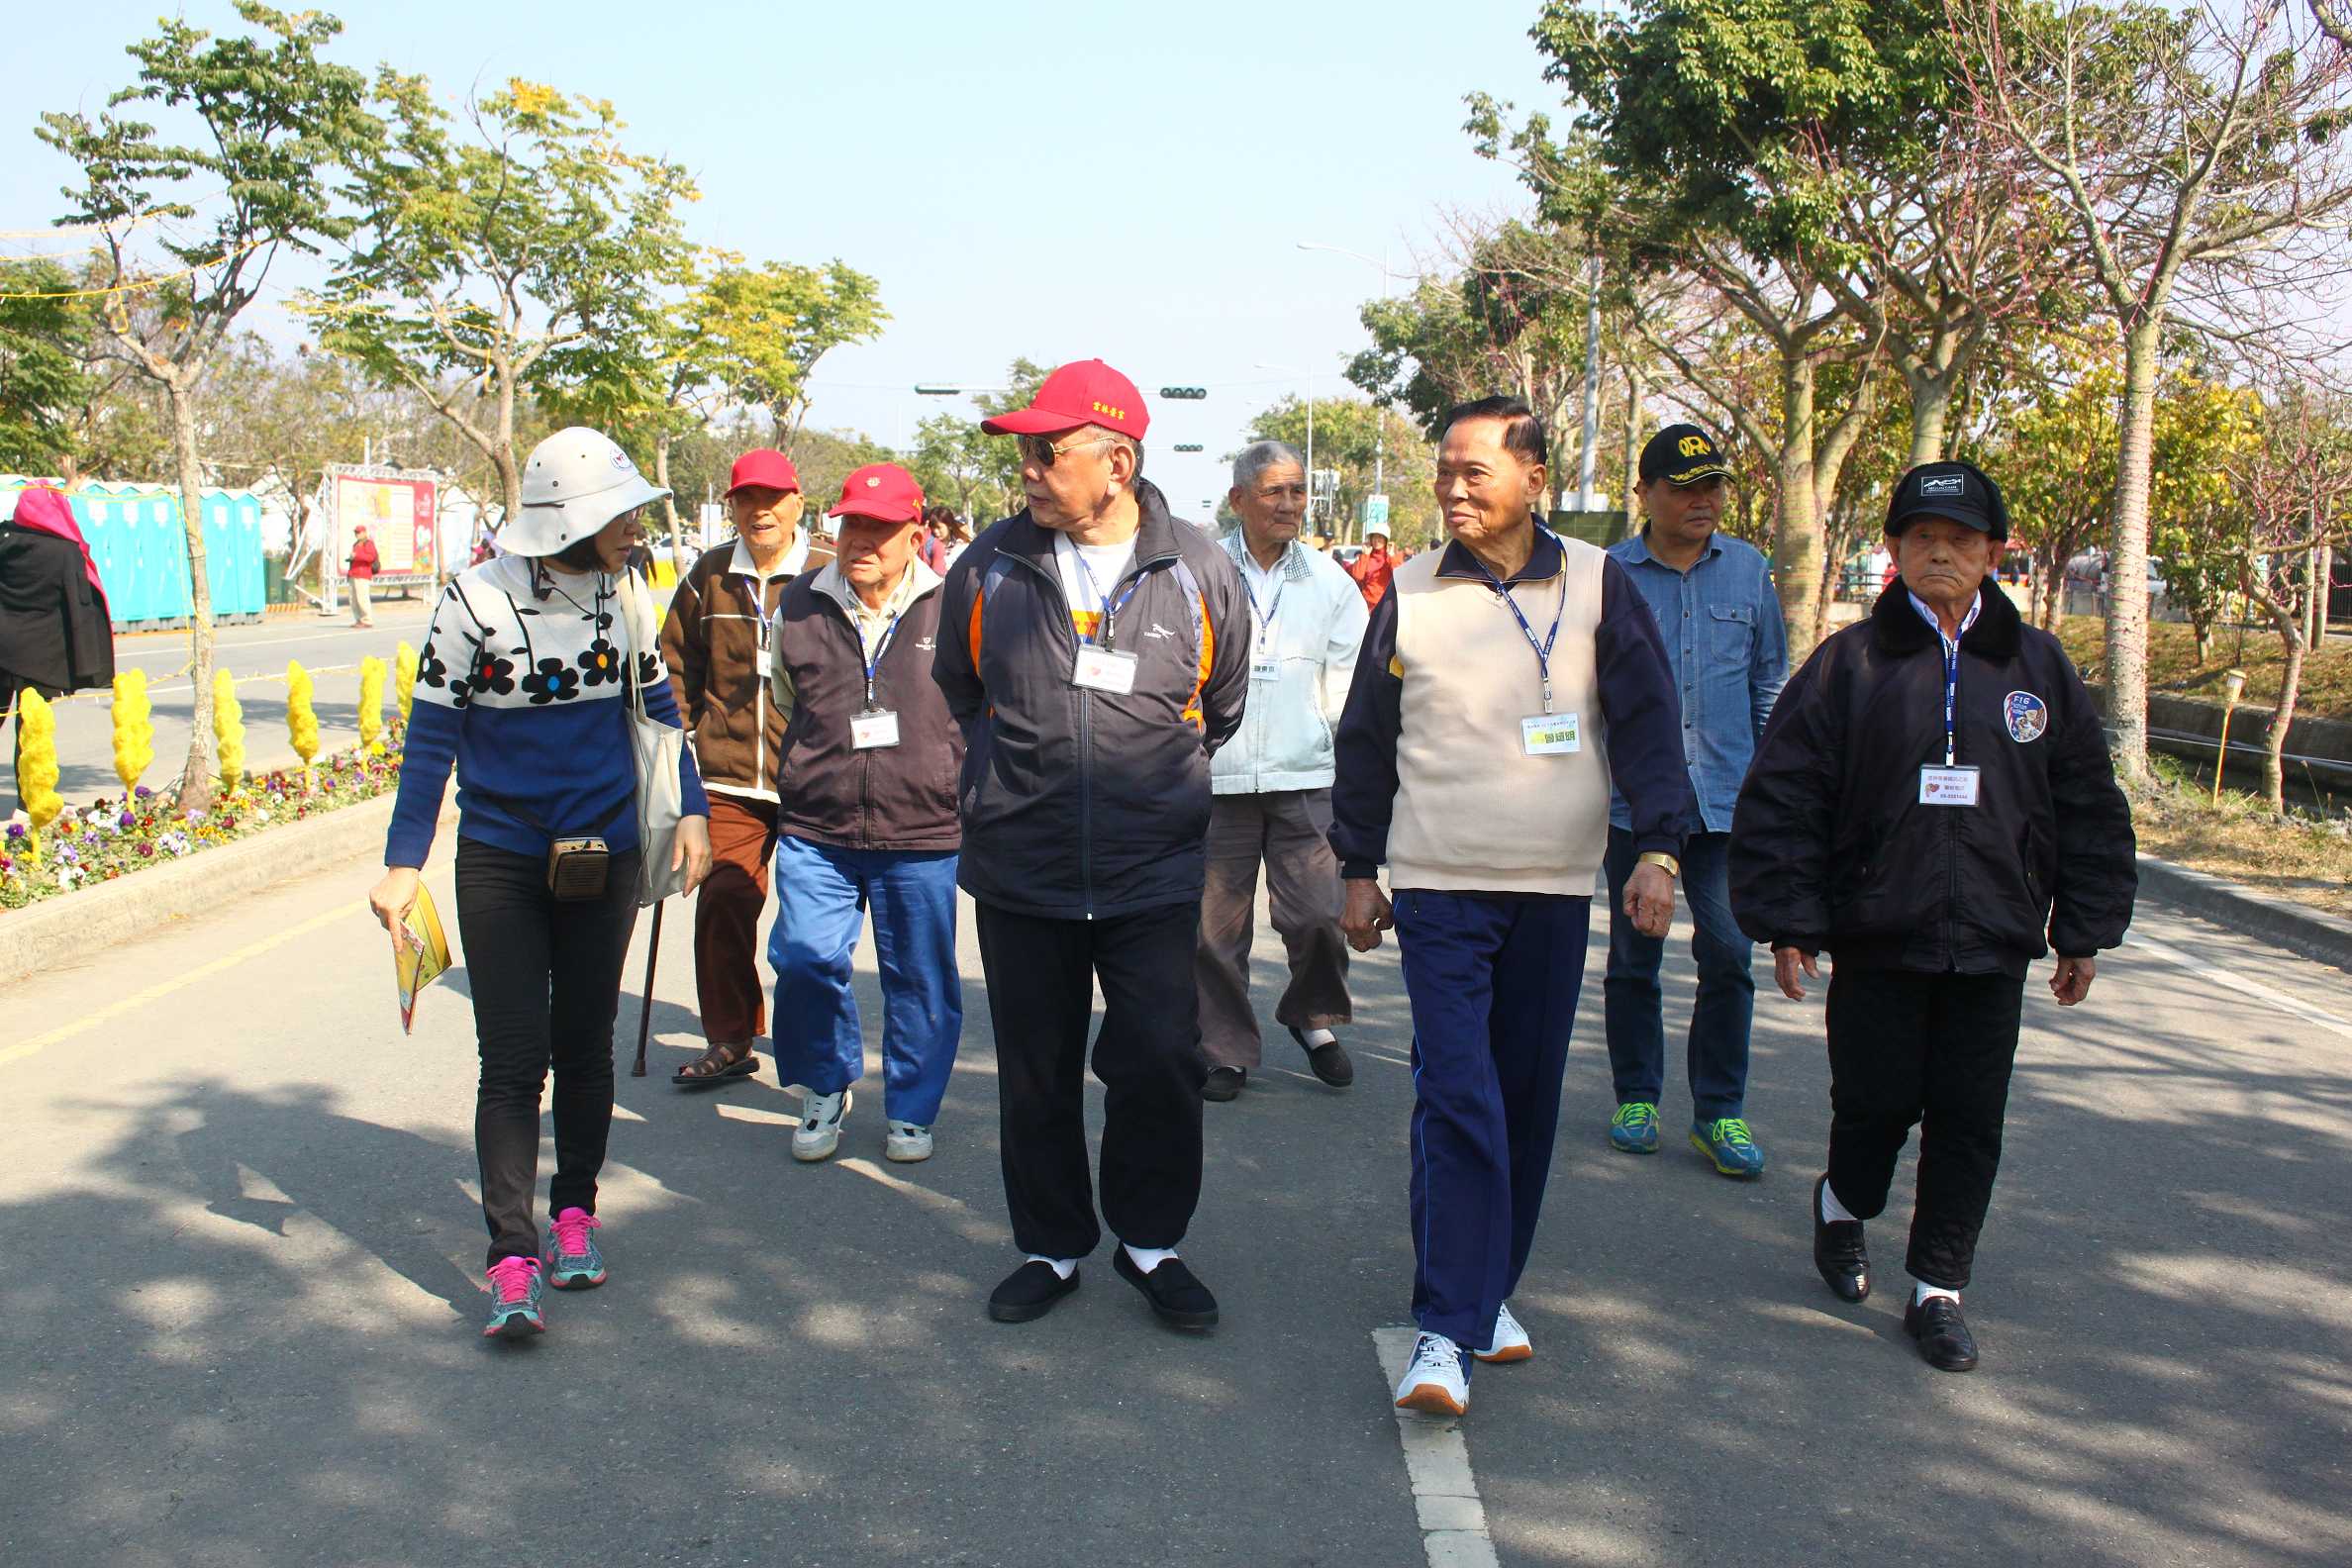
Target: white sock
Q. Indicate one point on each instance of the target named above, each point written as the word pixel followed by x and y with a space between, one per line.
pixel 1148 1258
pixel 1832 1211
pixel 1920 1292
pixel 1320 1036
pixel 1062 1268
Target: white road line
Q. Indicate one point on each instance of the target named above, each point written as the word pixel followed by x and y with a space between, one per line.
pixel 1437 1462
pixel 2222 977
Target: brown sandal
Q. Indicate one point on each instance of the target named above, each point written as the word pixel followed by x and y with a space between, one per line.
pixel 723 1060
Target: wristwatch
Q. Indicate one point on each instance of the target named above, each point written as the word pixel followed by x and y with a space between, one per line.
pixel 1663 861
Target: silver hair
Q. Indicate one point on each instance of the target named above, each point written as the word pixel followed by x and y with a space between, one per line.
pixel 1258 456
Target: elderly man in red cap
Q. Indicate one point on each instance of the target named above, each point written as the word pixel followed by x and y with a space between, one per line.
pixel 1096 650
pixel 717 645
pixel 868 824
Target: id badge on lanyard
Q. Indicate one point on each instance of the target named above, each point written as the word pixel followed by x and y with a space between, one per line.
pixel 877 726
pixel 1546 734
pixel 1100 668
pixel 1952 784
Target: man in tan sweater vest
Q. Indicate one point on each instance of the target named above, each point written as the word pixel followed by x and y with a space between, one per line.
pixel 1505 684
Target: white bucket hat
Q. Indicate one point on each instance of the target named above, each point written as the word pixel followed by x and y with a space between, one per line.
pixel 575 482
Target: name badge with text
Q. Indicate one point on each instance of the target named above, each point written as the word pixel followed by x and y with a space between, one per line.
pixel 869 730
pixel 1265 667
pixel 1550 735
pixel 1948 786
pixel 1104 669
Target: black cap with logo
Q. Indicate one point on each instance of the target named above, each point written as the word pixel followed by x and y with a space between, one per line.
pixel 1959 492
pixel 1683 455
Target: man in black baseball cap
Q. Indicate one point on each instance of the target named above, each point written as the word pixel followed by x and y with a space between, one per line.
pixel 1683 456
pixel 1933 803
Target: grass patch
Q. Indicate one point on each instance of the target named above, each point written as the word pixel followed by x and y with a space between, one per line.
pixel 2175 670
pixel 2298 857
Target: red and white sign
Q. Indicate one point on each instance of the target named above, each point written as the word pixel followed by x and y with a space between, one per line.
pixel 399 514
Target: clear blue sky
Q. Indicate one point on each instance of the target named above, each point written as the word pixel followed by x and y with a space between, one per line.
pixel 1051 180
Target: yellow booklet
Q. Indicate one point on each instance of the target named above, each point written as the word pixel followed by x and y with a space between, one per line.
pixel 420 954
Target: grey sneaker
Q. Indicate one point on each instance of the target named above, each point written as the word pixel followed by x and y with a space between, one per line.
pixel 574 1261
pixel 515 1286
pixel 906 1143
pixel 820 1131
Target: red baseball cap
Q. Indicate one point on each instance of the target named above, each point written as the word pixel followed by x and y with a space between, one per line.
pixel 765 466
pixel 1082 392
pixel 883 491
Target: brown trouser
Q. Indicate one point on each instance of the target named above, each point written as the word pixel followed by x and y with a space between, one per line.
pixel 1286 830
pixel 727 919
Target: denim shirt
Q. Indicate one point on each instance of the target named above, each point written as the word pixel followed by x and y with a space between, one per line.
pixel 1721 625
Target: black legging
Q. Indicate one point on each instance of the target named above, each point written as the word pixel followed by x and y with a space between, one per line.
pixel 547 984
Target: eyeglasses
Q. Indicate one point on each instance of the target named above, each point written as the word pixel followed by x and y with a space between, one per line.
pixel 1038 449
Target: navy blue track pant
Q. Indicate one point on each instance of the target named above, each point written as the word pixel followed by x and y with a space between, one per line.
pixel 1493 981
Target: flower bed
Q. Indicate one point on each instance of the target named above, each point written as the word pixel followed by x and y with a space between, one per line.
pixel 109 839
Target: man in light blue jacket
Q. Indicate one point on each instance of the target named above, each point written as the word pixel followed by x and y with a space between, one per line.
pixel 1271 784
pixel 1719 616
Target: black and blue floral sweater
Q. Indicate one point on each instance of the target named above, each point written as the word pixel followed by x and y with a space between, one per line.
pixel 522 688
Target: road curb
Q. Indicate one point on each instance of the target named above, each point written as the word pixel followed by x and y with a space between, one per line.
pixel 2313 933
pixel 60 932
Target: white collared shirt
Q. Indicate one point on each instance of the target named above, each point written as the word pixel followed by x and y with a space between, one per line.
pixel 1951 644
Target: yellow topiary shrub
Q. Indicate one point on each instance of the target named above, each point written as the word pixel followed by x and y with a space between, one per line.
pixel 37 765
pixel 134 727
pixel 228 731
pixel 372 705
pixel 404 680
pixel 302 720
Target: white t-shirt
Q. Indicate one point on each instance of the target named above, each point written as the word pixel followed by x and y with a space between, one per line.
pixel 1090 575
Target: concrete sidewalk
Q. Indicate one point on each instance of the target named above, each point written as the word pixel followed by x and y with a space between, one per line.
pixel 236 1325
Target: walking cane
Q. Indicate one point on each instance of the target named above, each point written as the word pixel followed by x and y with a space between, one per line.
pixel 645 1017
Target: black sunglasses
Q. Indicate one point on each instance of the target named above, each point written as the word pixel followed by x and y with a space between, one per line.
pixel 1042 452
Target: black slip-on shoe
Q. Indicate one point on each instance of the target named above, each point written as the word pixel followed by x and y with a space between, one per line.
pixel 1838 1251
pixel 1328 1061
pixel 1944 1340
pixel 1178 1299
pixel 1029 1291
pixel 1225 1083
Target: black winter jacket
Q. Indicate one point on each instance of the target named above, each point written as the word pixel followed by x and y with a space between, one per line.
pixel 1078 803
pixel 54 635
pixel 1830 848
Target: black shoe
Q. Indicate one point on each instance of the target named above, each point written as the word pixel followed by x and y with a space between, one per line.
pixel 1327 1061
pixel 1029 1291
pixel 1178 1299
pixel 1944 1340
pixel 1225 1083
pixel 1838 1251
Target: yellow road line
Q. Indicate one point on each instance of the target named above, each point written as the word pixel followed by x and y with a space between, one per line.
pixel 165 988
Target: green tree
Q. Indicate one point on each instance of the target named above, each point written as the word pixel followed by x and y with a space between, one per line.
pixel 523 253
pixel 2199 145
pixel 958 463
pixel 41 380
pixel 759 332
pixel 272 122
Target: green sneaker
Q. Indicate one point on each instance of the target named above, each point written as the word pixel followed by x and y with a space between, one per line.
pixel 1728 1143
pixel 1635 1128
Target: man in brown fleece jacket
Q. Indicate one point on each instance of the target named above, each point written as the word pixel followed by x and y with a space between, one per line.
pixel 717 642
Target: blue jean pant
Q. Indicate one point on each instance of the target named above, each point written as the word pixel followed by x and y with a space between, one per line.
pixel 822 896
pixel 1493 983
pixel 1633 1003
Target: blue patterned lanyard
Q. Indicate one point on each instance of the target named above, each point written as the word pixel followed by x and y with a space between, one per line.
pixel 1543 649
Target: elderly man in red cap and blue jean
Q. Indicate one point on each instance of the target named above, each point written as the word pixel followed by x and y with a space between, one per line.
pixel 1096 650
pixel 717 645
pixel 868 822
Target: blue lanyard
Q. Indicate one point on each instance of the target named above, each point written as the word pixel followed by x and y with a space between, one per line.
pixel 1265 617
pixel 1544 647
pixel 873 662
pixel 1951 697
pixel 1106 612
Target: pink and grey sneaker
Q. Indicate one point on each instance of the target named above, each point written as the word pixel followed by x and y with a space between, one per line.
pixel 574 1261
pixel 515 1286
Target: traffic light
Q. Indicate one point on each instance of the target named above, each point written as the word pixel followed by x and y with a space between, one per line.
pixel 1188 445
pixel 1184 393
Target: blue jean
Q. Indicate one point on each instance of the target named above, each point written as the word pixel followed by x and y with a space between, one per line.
pixel 822 896
pixel 1493 984
pixel 1633 1003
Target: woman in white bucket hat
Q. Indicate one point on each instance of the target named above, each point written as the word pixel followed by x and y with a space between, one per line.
pixel 521 687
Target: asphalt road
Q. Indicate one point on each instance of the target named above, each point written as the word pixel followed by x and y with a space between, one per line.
pixel 241 1284
pixel 329 648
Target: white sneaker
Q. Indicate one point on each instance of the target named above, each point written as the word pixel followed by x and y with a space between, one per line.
pixel 820 1131
pixel 1511 1341
pixel 906 1143
pixel 1435 1383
